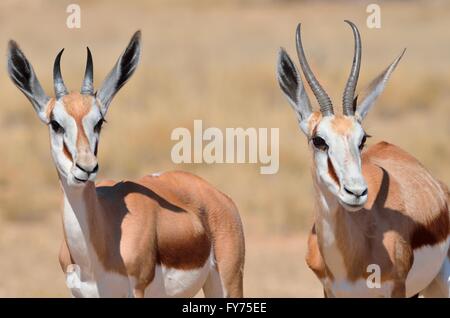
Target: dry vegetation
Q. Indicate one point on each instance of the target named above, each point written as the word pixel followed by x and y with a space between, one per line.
pixel 216 63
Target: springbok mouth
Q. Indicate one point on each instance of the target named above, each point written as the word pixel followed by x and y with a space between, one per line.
pixel 351 207
pixel 79 180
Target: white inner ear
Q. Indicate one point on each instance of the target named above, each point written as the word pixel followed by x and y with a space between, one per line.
pixel 43 115
pixel 375 89
pixel 306 124
pixel 303 124
pixel 102 109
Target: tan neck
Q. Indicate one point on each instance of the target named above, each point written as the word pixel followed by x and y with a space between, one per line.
pixel 334 221
pixel 342 235
pixel 327 203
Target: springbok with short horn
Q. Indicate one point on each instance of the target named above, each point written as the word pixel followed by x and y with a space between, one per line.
pixel 378 211
pixel 163 235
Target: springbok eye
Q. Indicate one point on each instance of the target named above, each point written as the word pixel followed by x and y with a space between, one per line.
pixel 363 142
pixel 57 128
pixel 319 143
pixel 99 125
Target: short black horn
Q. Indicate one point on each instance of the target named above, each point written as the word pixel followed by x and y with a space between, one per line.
pixel 88 82
pixel 58 83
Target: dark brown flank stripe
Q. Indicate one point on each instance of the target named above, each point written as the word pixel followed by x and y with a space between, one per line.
pixel 436 231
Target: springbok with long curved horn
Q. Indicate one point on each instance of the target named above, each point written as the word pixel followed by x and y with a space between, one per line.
pixel 163 235
pixel 380 213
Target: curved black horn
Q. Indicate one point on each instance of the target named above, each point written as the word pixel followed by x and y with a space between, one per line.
pixel 58 83
pixel 88 82
pixel 326 107
pixel 350 87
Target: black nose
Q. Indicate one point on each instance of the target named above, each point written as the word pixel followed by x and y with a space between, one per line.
pixel 87 170
pixel 356 192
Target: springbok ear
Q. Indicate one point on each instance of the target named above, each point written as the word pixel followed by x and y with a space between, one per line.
pixel 22 74
pixel 121 72
pixel 374 90
pixel 291 84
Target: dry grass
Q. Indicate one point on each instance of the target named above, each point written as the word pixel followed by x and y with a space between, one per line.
pixel 216 63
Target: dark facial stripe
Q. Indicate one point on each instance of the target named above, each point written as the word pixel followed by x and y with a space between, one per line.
pixel 332 172
pixel 67 152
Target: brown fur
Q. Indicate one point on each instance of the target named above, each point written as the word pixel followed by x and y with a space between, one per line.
pixel 313 257
pixel 67 152
pixel 315 118
pixel 332 172
pixel 406 209
pixel 342 125
pixel 49 107
pixel 173 219
pixel 78 106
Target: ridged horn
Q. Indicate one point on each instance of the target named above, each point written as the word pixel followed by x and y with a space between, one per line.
pixel 350 87
pixel 326 107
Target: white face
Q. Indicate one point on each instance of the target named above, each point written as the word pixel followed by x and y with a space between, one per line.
pixel 337 142
pixel 74 119
pixel 75 123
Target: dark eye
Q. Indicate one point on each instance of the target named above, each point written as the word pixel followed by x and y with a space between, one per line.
pixel 57 128
pixel 99 125
pixel 363 142
pixel 319 143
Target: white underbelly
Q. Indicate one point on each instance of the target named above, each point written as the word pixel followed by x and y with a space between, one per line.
pixel 360 289
pixel 172 282
pixel 107 285
pixel 428 261
pixel 167 282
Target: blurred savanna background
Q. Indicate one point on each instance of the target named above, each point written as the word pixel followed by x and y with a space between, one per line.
pixel 215 61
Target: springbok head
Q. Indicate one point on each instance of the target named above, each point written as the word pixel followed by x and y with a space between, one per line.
pixel 335 140
pixel 74 118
